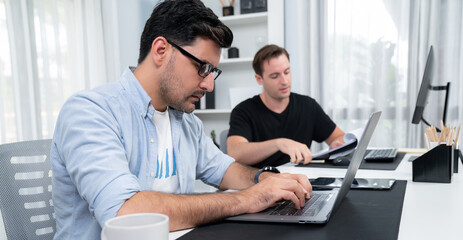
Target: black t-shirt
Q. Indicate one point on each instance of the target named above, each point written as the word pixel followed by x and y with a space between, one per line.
pixel 303 120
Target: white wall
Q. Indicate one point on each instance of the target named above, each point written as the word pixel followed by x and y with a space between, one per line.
pixel 294 29
pixel 126 20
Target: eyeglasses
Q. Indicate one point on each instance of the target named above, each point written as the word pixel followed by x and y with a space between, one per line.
pixel 205 68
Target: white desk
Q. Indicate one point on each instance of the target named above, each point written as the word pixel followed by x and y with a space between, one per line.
pixel 430 211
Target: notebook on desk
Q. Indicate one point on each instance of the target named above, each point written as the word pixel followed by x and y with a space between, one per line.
pixel 322 204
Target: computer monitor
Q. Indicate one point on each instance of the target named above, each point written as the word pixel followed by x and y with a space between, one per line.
pixel 425 87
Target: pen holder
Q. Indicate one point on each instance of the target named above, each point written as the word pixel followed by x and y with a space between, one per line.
pixel 434 166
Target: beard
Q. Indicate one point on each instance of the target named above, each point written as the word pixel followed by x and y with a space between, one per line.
pixel 171 90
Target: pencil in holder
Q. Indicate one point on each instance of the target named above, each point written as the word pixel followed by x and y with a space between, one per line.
pixel 436 165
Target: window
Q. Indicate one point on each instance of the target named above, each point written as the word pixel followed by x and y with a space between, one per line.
pixel 50 50
pixel 366 67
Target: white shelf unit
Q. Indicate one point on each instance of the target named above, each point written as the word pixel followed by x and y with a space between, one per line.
pixel 241 19
pixel 251 32
pixel 230 61
pixel 209 111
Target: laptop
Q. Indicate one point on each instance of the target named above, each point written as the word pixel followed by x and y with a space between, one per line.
pixel 323 203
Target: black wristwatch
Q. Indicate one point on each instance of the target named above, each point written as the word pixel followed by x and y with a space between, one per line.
pixel 265 169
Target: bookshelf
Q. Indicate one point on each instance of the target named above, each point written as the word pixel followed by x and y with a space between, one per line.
pixel 251 31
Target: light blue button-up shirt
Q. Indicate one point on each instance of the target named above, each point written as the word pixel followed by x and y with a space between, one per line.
pixel 105 149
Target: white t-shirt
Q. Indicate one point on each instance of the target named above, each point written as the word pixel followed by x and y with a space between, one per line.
pixel 166 178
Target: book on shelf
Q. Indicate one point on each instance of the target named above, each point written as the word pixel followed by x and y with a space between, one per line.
pixel 253 6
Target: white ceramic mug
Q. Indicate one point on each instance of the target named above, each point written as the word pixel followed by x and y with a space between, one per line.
pixel 139 226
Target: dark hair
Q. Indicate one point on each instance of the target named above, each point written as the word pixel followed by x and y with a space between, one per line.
pixel 267 52
pixel 181 21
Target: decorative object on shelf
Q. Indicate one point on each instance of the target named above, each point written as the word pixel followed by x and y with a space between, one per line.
pixel 253 6
pixel 227 10
pixel 233 52
pixel 213 138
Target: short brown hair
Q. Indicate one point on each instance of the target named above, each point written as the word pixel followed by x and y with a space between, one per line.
pixel 181 21
pixel 266 53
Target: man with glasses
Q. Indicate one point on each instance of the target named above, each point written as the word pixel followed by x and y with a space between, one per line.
pixel 205 68
pixel 134 146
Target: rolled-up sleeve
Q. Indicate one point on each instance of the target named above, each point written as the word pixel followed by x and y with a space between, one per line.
pixel 212 162
pixel 91 146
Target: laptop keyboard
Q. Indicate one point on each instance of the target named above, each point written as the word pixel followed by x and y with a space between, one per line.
pixel 311 208
pixel 384 153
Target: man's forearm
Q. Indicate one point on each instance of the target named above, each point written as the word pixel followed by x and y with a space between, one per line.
pixel 185 211
pixel 336 138
pixel 238 176
pixel 251 153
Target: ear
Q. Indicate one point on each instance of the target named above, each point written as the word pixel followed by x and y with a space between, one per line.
pixel 259 79
pixel 159 51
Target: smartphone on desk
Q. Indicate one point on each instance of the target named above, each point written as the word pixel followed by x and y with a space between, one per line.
pixel 359 183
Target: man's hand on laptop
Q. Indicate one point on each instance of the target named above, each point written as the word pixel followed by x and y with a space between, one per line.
pixel 276 187
pixel 297 152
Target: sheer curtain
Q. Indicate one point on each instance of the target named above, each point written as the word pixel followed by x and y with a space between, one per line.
pixel 437 23
pixel 367 66
pixel 50 49
pixel 366 61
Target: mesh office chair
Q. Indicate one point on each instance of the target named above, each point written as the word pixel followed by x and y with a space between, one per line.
pixel 25 185
pixel 223 140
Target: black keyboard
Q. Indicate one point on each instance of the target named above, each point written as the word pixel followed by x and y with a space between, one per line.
pixel 381 155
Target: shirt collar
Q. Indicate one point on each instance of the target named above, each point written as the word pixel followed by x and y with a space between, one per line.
pixel 140 98
pixel 136 92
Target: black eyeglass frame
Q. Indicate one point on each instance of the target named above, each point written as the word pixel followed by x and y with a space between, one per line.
pixel 210 68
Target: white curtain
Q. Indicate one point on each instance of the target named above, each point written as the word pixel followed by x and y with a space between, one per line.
pixel 367 66
pixel 49 50
pixel 355 61
pixel 440 24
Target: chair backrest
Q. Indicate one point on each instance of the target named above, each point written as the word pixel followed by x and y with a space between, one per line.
pixel 25 186
pixel 223 141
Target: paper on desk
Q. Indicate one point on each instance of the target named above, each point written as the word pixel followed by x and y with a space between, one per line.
pixel 350 140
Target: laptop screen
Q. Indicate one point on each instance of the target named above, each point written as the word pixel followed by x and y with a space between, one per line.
pixel 357 158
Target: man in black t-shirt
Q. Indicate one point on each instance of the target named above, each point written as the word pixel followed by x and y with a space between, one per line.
pixel 278 126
